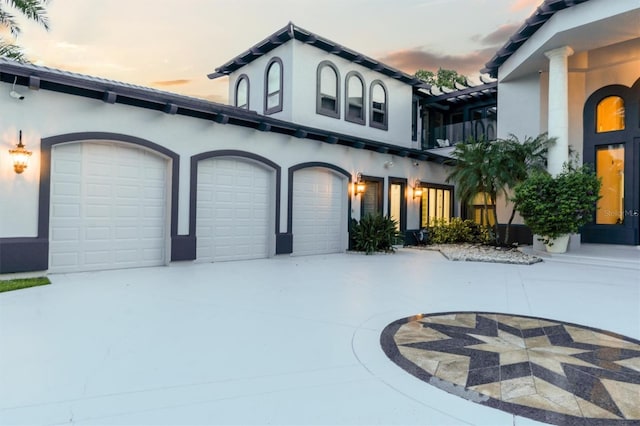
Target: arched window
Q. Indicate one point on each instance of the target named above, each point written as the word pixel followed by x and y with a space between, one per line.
pixel 328 90
pixel 242 92
pixel 273 87
pixel 378 110
pixel 354 98
pixel 610 114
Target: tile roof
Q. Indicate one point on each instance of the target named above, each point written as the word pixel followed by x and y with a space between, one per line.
pixel 292 31
pixel 542 14
pixel 111 91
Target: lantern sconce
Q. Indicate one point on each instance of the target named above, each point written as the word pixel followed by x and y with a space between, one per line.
pixel 20 156
pixel 359 186
pixel 417 189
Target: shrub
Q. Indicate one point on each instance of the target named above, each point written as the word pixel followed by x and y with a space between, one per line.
pixel 375 233
pixel 554 206
pixel 458 231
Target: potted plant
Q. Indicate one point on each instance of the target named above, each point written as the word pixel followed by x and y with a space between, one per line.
pixel 554 207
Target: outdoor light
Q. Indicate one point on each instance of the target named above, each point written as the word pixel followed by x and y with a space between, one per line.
pixel 359 186
pixel 417 189
pixel 20 156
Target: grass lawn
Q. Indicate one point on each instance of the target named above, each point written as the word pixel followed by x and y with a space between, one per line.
pixel 17 284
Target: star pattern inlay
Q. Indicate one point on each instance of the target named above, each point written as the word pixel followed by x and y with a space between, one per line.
pixel 547 370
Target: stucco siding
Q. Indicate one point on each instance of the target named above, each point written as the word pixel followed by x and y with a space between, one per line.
pixel 44 114
pixel 519 106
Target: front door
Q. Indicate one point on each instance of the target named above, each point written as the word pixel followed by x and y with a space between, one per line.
pixel 612 146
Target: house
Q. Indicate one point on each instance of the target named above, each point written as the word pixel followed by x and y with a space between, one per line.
pixel 317 135
pixel 573 69
pixel 126 176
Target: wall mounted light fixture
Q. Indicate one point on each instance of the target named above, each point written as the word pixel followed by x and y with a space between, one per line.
pixel 359 186
pixel 20 156
pixel 417 189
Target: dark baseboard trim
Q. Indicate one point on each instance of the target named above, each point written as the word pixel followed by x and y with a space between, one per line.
pixel 23 255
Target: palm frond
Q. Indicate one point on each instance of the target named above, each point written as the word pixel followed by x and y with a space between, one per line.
pixel 11 51
pixel 32 9
pixel 8 21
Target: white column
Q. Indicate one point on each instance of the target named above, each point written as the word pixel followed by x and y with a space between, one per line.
pixel 558 125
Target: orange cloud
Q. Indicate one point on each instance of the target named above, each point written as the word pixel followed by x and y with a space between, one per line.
pixel 165 83
pixel 519 5
pixel 412 60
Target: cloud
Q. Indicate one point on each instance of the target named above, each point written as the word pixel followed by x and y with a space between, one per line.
pixel 166 83
pixel 519 5
pixel 221 99
pixel 70 47
pixel 412 60
pixel 499 36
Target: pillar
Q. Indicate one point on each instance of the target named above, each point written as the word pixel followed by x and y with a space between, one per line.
pixel 558 125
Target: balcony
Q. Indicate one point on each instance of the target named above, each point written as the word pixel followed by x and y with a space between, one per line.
pixel 451 134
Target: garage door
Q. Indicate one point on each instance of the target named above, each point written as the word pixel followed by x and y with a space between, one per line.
pixel 319 212
pixel 108 207
pixel 235 215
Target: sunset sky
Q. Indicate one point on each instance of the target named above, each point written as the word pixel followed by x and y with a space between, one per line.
pixel 173 44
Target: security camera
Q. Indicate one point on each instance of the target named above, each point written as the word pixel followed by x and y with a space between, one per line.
pixel 16 95
pixel 416 164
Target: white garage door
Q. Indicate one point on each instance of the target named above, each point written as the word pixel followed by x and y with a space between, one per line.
pixel 108 207
pixel 319 212
pixel 235 215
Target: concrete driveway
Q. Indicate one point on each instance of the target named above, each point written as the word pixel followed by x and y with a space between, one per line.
pixel 288 340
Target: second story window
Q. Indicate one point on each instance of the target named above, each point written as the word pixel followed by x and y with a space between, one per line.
pixel 328 90
pixel 378 111
pixel 354 98
pixel 273 87
pixel 242 92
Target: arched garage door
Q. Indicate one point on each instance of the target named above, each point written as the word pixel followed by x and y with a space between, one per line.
pixel 235 214
pixel 319 222
pixel 108 207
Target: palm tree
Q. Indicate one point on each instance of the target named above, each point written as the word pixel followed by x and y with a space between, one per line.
pixel 492 168
pixel 474 172
pixel 32 9
pixel 516 161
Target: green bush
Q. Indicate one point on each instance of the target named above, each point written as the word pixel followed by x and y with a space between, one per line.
pixel 458 231
pixel 375 233
pixel 554 206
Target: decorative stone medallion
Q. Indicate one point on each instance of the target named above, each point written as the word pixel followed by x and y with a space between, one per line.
pixel 546 370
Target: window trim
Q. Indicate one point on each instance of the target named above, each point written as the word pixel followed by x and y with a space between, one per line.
pixel 350 75
pixel 385 122
pixel 428 185
pixel 403 182
pixel 238 81
pixel 380 193
pixel 278 107
pixel 335 113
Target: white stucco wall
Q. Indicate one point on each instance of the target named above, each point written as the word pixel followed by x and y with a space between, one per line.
pixel 44 114
pixel 399 97
pixel 300 62
pixel 256 73
pixel 519 106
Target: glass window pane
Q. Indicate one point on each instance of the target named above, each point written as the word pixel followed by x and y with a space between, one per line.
pixel 274 78
pixel 610 114
pixel 242 93
pixel 370 200
pixel 446 212
pixel 273 100
pixel 328 82
pixel 432 205
pixel 396 202
pixel 355 89
pixel 610 168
